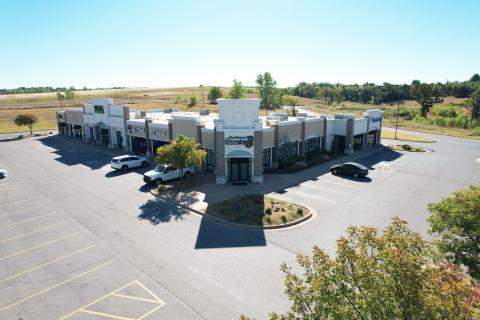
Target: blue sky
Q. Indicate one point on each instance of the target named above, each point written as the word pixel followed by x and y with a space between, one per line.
pixel 187 43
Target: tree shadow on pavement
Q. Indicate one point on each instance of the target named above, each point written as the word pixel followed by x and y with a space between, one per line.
pixel 159 211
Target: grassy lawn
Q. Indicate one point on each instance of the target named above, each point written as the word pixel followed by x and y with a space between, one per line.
pixel 405 137
pixel 257 210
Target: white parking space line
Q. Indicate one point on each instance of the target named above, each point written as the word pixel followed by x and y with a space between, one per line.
pixel 55 286
pixel 22 210
pixel 39 246
pixel 106 315
pixel 28 220
pixel 311 195
pixel 15 201
pixel 154 300
pixel 31 232
pixel 46 263
pixel 316 186
pixel 341 184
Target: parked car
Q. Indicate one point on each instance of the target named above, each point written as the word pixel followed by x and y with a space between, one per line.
pixel 350 168
pixel 163 173
pixel 127 162
pixel 3 173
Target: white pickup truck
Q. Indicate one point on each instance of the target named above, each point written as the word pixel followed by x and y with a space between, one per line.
pixel 163 173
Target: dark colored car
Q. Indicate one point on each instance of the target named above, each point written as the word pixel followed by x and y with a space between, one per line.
pixel 350 168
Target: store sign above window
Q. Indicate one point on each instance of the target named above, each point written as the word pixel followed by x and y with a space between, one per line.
pixel 98 109
pixel 247 141
pixel 157 132
pixel 133 129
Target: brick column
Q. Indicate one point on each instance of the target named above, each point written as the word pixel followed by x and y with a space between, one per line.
pixel 301 153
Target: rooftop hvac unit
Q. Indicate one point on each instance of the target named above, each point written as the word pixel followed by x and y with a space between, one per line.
pixel 344 116
pixel 302 114
pixel 204 112
pixel 279 115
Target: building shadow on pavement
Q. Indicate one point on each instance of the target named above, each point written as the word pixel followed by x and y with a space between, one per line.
pixel 75 151
pixel 213 235
pixel 216 235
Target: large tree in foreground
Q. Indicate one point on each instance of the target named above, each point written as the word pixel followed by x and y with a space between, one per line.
pixel 26 119
pixel 374 275
pixel 456 219
pixel 180 153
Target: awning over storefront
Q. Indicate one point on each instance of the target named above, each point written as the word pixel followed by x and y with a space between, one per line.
pixel 239 153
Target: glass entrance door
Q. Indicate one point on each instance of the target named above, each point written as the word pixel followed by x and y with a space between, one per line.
pixel 239 169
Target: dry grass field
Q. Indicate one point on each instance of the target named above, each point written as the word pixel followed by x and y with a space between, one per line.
pixel 44 105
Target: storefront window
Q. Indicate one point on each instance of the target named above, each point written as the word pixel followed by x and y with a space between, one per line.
pixel 266 157
pixel 312 145
pixel 210 158
pixel 372 137
pixel 288 150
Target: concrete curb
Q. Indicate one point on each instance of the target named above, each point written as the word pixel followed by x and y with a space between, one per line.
pixel 311 214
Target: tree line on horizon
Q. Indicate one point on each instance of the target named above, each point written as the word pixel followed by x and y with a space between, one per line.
pixel 385 93
pixel 21 90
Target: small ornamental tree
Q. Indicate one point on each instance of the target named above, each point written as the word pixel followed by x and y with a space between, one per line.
pixel 213 94
pixel 192 101
pixel 26 119
pixel 181 153
pixel 291 102
pixel 374 275
pixel 238 90
pixel 456 220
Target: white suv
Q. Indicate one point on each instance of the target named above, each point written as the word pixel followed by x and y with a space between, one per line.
pixel 128 162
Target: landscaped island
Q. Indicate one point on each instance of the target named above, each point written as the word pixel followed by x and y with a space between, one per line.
pixel 258 210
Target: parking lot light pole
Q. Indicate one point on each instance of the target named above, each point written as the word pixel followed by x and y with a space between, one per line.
pixel 396 122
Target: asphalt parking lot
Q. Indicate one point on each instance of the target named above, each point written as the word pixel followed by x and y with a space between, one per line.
pixel 78 241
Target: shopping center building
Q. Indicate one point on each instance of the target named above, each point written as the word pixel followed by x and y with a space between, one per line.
pixel 240 144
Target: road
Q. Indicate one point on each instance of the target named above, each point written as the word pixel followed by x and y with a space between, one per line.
pixel 80 241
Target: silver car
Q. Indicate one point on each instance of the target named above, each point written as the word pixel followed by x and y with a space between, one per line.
pixel 127 162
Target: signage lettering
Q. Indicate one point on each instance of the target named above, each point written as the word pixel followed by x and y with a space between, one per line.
pixel 247 141
pixel 132 129
pixel 158 132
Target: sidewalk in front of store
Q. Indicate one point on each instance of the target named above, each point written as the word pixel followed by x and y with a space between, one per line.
pixel 199 198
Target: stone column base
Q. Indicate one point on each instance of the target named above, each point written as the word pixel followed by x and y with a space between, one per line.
pixel 220 180
pixel 257 179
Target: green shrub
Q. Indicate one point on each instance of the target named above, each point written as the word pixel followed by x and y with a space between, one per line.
pixel 300 211
pixel 476 131
pixel 268 220
pixel 445 111
pixel 284 219
pixel 406 147
pixel 406 114
pixel 268 211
